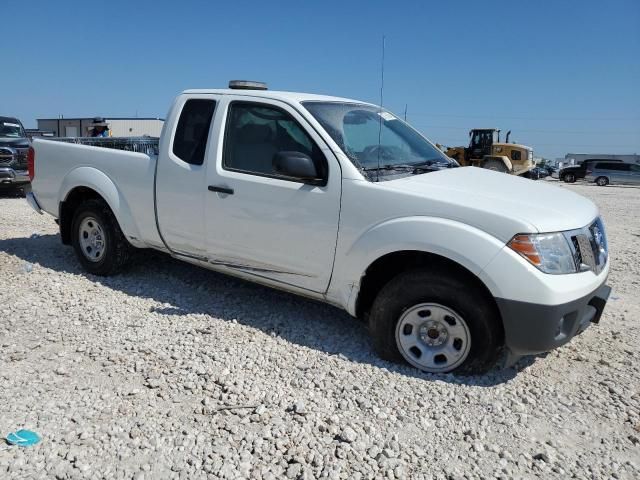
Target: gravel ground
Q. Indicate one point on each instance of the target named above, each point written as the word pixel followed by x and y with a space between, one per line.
pixel 171 371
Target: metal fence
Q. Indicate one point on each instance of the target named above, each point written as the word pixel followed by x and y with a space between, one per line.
pixel 148 145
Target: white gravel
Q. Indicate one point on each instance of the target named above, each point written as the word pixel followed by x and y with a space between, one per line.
pixel 171 371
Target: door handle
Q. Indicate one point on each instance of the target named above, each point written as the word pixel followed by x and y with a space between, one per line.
pixel 228 191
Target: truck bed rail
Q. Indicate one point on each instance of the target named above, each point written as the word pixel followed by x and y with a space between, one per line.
pixel 148 145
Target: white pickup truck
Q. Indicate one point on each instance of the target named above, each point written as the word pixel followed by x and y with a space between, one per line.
pixel 341 201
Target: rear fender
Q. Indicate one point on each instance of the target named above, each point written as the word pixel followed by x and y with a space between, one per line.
pixel 89 177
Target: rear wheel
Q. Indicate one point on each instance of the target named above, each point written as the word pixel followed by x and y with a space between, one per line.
pixel 602 181
pixel 495 165
pixel 436 322
pixel 97 239
pixel 569 178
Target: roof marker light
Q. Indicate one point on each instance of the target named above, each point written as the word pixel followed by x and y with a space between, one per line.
pixel 247 85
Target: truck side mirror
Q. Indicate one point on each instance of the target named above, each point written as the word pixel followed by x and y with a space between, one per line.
pixel 296 165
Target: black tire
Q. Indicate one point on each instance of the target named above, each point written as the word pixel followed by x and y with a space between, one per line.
pixel 496 166
pixel 117 249
pixel 602 181
pixel 569 178
pixel 415 287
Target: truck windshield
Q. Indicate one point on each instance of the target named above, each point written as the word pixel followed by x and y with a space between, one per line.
pixel 375 139
pixel 10 129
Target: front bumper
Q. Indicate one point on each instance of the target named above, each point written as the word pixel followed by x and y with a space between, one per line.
pixel 9 176
pixel 532 328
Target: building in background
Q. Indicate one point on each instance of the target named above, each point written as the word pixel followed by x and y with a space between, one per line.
pixel 118 126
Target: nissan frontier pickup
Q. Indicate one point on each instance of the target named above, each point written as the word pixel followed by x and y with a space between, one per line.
pixel 341 201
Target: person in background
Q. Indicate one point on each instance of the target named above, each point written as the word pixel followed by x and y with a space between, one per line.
pixel 99 128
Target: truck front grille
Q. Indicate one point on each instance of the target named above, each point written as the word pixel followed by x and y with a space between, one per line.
pixel 590 249
pixel 577 257
pixel 14 158
pixel 21 158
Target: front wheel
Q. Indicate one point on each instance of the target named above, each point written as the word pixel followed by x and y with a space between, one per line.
pixel 436 322
pixel 100 245
pixel 602 181
pixel 569 178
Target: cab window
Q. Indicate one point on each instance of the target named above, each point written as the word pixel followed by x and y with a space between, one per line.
pixel 256 132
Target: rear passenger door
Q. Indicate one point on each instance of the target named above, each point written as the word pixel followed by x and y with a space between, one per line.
pixel 616 172
pixel 180 180
pixel 281 229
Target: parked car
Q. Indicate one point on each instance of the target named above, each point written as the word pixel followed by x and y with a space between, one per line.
pixel 14 145
pixel 340 201
pixel 604 173
pixel 576 172
pixel 537 173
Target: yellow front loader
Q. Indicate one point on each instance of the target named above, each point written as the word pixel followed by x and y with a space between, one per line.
pixel 486 151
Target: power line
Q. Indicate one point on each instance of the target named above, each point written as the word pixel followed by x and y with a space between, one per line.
pixel 576 132
pixel 523 117
pixel 451 141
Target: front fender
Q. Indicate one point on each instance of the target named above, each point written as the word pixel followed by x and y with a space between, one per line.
pixel 466 245
pixel 89 177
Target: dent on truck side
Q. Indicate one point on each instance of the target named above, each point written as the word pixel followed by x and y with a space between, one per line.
pixel 98 181
pixel 465 245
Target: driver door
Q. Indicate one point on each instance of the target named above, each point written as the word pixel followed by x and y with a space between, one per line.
pixel 259 223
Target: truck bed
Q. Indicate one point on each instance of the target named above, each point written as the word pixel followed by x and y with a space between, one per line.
pixel 121 170
pixel 148 145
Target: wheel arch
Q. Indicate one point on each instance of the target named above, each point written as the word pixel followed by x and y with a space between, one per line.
pixel 85 183
pixel 384 268
pixel 458 242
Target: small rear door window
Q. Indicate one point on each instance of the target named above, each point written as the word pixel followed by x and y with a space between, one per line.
pixel 190 140
pixel 622 167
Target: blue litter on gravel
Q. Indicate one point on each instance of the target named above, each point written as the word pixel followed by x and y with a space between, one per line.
pixel 23 438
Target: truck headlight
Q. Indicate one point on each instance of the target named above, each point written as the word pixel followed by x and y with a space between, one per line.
pixel 549 252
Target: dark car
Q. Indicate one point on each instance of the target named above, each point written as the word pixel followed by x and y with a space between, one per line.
pixel 14 145
pixel 576 172
pixel 536 173
pixel 540 172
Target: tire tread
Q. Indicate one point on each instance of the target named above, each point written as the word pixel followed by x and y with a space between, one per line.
pixel 118 248
pixel 415 286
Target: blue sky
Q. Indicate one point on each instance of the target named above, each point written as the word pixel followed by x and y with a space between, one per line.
pixel 563 75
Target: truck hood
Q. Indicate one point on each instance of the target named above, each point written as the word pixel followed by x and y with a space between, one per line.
pixel 499 204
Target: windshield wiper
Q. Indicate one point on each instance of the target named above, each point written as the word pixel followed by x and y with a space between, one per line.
pixel 426 167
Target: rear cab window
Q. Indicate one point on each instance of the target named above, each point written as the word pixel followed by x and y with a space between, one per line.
pixel 192 132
